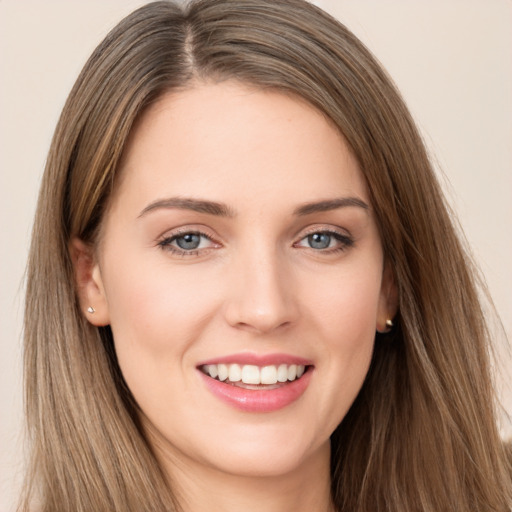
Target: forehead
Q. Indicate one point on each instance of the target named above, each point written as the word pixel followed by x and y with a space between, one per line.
pixel 231 142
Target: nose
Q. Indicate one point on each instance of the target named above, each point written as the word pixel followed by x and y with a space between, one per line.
pixel 261 294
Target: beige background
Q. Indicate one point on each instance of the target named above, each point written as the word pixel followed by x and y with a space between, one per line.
pixel 452 60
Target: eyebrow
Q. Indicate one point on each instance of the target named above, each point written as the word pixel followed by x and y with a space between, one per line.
pixel 222 210
pixel 330 204
pixel 185 203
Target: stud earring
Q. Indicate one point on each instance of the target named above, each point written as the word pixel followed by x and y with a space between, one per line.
pixel 91 310
pixel 389 323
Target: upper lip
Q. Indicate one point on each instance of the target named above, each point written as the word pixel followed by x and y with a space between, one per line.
pixel 258 359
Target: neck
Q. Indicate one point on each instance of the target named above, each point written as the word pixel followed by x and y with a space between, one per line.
pixel 200 488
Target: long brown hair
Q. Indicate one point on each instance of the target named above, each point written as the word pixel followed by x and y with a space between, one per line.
pixel 422 434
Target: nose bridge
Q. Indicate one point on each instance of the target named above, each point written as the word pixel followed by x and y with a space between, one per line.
pixel 261 298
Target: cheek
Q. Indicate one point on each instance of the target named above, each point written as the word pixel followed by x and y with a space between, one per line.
pixel 155 297
pixel 157 318
pixel 345 319
pixel 346 306
pixel 156 315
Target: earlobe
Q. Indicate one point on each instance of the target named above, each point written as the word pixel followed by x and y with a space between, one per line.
pixel 388 301
pixel 89 283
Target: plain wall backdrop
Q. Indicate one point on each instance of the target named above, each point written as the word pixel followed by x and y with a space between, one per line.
pixel 451 59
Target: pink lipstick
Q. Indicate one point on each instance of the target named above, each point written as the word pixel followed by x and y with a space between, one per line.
pixel 255 383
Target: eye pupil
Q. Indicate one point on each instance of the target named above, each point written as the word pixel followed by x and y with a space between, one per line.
pixel 319 240
pixel 189 241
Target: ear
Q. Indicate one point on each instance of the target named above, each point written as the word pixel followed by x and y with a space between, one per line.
pixel 89 284
pixel 388 300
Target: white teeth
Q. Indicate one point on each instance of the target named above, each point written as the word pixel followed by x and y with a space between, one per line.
pixel 282 373
pixel 252 374
pixel 223 371
pixel 212 370
pixel 235 373
pixel 269 375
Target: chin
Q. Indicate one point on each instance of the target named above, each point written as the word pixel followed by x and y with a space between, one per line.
pixel 270 449
pixel 263 461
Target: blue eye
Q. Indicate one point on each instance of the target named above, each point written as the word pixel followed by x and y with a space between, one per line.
pixel 326 241
pixel 319 240
pixel 187 243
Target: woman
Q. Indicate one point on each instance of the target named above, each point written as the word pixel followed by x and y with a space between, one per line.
pixel 235 202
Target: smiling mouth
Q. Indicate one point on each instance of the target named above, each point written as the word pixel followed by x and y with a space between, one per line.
pixel 250 376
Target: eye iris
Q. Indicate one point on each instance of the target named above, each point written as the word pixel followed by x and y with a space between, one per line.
pixel 319 240
pixel 188 241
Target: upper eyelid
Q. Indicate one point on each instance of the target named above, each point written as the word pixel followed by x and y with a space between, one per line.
pixel 183 230
pixel 172 237
pixel 167 240
pixel 323 229
pixel 213 237
pixel 334 234
pixel 167 243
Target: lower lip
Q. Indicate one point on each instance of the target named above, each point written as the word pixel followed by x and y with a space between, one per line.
pixel 259 400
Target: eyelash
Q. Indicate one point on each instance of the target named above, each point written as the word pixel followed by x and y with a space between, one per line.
pixel 165 243
pixel 345 242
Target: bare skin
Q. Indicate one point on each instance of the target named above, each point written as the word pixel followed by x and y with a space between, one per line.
pixel 241 227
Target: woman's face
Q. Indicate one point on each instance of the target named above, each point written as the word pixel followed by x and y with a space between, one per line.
pixel 240 243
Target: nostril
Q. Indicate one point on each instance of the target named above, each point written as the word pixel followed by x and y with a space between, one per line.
pixel 262 326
